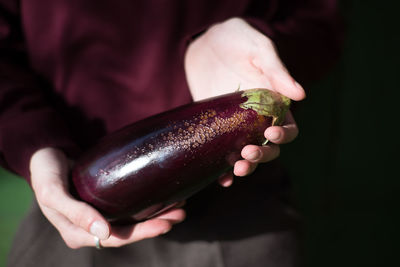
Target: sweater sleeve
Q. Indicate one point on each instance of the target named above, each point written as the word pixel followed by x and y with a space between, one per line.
pixel 28 121
pixel 308 34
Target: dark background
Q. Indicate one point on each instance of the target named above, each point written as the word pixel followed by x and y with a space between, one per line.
pixel 346 160
pixel 344 163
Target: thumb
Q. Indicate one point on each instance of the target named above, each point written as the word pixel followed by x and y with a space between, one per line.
pixel 54 196
pixel 49 176
pixel 269 64
pixel 284 84
pixel 83 215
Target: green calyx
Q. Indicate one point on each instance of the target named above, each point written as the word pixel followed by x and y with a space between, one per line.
pixel 267 103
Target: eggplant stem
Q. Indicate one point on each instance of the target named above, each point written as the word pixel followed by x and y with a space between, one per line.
pixel 267 103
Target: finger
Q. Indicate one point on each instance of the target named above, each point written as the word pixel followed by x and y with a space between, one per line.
pixel 174 215
pixel 226 180
pixel 283 83
pixel 73 236
pixel 124 235
pixel 283 134
pixel 244 167
pixel 259 154
pixel 50 185
pixel 54 196
pixel 76 237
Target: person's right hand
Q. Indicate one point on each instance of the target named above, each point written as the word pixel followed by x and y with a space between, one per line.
pixel 230 54
pixel 78 222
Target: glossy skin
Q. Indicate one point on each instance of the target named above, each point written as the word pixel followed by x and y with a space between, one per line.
pixel 152 164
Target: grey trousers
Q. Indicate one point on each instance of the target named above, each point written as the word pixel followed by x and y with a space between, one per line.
pixel 221 230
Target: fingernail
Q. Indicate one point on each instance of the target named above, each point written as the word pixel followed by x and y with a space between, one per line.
pixel 274 136
pixel 227 183
pixel 99 229
pixel 254 155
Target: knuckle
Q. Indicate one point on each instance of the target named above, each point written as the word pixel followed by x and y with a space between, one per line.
pixel 79 216
pixel 45 194
pixel 72 244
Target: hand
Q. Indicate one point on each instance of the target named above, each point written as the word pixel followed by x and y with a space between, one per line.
pixel 76 221
pixel 230 55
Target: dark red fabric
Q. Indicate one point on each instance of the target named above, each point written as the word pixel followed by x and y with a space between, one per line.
pixel 74 70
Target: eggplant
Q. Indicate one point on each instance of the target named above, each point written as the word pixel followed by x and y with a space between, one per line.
pixel 148 166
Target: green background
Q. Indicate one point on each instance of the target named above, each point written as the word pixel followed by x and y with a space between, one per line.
pixel 15 197
pixel 344 162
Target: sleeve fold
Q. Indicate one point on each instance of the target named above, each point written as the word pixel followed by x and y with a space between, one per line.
pixel 28 121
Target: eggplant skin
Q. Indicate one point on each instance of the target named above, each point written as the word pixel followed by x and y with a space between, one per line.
pixel 148 166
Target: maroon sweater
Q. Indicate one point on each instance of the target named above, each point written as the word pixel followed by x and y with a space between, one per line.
pixel 74 70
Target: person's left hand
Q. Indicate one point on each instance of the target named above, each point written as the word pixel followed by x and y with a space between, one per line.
pixel 78 222
pixel 233 54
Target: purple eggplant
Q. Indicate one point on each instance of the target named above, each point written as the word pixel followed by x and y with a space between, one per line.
pixel 148 166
